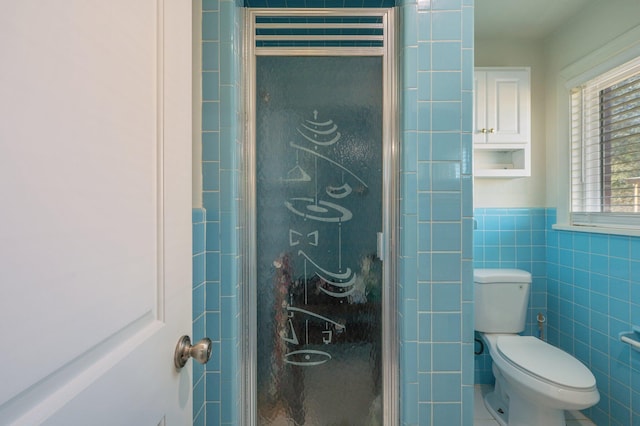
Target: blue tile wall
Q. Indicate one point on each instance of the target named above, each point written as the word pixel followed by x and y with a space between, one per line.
pixel 512 238
pixel 435 262
pixel 593 283
pixel 199 227
pixel 221 140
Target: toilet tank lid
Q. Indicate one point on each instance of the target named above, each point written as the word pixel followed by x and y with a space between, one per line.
pixel 483 276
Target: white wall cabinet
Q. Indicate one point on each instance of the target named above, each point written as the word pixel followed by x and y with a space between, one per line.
pixel 502 122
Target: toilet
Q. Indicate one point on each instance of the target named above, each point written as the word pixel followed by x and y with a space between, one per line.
pixel 535 381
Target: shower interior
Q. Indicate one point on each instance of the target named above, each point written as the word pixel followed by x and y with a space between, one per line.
pixel 320 334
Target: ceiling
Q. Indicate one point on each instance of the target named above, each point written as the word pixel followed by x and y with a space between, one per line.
pixel 526 19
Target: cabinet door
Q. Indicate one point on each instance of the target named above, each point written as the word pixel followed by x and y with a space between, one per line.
pixel 507 116
pixel 480 107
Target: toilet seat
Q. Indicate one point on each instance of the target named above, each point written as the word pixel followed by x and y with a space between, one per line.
pixel 545 362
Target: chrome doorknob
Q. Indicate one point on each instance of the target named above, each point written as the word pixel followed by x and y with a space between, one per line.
pixel 201 351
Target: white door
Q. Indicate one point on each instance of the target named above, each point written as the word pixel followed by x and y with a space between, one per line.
pixel 95 210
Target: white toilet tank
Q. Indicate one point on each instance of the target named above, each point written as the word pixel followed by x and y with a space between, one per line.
pixel 501 299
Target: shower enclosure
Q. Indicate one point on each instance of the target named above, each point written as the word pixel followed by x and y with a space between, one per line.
pixel 319 323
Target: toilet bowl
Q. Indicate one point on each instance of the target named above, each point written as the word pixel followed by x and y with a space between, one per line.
pixel 535 381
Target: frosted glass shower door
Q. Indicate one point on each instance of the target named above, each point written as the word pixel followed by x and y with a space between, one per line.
pixel 318 211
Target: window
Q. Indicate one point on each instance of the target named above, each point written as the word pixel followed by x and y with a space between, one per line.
pixel 605 149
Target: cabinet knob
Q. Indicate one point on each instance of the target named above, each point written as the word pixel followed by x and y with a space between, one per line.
pixel 483 130
pixel 492 130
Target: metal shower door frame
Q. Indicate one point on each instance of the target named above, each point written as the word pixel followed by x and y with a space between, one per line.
pixel 382 46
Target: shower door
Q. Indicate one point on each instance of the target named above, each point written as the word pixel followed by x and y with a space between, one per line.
pixel 320 278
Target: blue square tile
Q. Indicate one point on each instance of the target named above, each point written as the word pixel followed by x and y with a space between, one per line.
pixel 210 175
pixel 424 86
pixel 213 236
pixel 227 64
pixel 424 146
pixel 211 146
pixel 213 386
pixel 424 357
pixel 446 116
pixel 599 244
pixel 410 68
pixel 410 24
pixel 410 322
pixel 446 206
pixel 424 386
pixel 210 4
pixel 210 25
pixel 619 289
pixel 410 109
pixel 411 362
pixel 599 264
pixel 213 325
pixel 619 246
pixel 446 85
pixel 424 297
pixel 467 113
pixel 424 236
pixel 424 176
pixel 198 269
pixel 424 27
pixel 409 403
pixel 424 56
pixel 198 238
pixel 212 296
pixel 446 236
pixel 198 301
pixel 410 189
pixel 447 387
pixel 210 116
pixel 213 266
pixel 447 356
pixel 424 116
pixel 446 327
pixel 424 327
pixel 424 267
pixel 410 156
pixel 446 56
pixel 198 215
pixel 446 176
pixel 467 27
pixel 446 297
pixel 446 267
pixel 619 268
pixel 210 86
pixel 211 202
pixel 210 56
pixel 446 25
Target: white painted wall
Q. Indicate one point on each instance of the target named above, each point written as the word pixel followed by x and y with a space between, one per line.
pixel 602 27
pixel 528 191
pixel 595 35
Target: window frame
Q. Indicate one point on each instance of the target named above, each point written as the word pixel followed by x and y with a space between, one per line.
pixel 589 190
pixel 614 53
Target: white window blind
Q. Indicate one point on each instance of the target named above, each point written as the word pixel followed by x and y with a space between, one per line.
pixel 605 149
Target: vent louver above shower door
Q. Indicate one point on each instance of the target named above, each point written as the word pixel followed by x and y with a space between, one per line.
pixel 347 28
